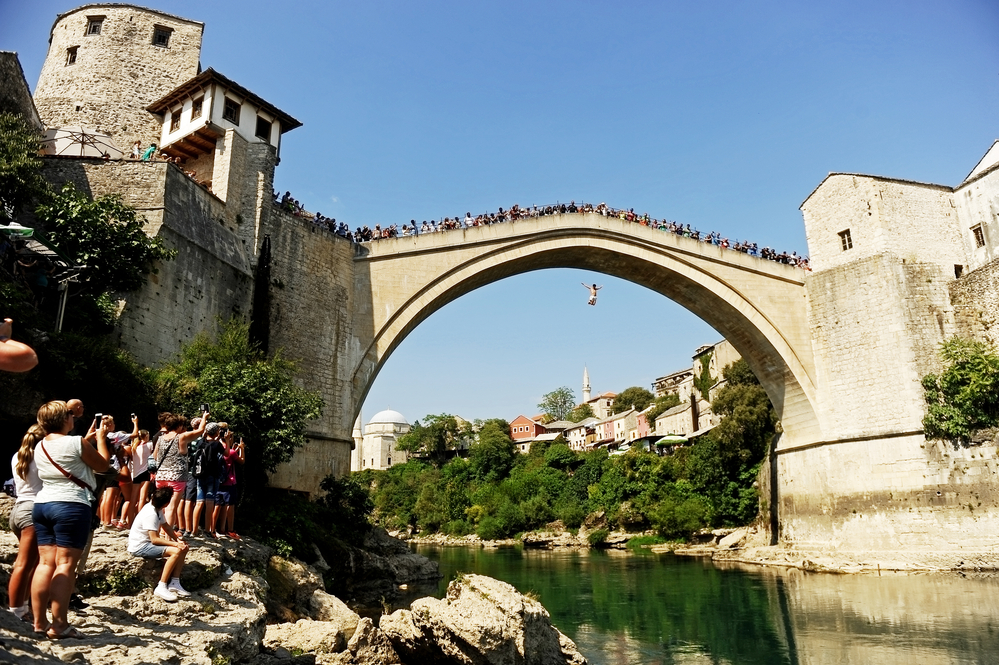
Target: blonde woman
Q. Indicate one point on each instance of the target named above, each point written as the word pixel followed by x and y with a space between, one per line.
pixel 61 514
pixel 26 484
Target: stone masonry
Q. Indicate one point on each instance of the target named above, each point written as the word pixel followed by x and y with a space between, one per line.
pixel 91 92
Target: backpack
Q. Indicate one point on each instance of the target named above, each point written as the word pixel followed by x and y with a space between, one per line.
pixel 208 459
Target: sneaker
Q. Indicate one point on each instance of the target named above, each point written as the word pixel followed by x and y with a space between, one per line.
pixel 166 594
pixel 219 535
pixel 186 534
pixel 76 602
pixel 208 534
pixel 234 535
pixel 177 588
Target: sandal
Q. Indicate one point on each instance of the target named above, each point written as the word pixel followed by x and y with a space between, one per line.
pixel 69 632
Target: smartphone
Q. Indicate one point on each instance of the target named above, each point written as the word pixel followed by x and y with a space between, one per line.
pixel 133 416
pixel 97 419
pixel 204 408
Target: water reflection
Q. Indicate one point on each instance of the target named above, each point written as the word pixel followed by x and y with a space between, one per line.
pixel 625 609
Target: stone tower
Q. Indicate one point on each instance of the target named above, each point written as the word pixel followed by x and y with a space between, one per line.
pixel 107 62
pixel 586 385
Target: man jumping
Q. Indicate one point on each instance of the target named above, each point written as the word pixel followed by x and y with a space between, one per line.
pixel 593 293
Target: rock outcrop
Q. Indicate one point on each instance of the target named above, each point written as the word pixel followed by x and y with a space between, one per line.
pixel 376 570
pixel 235 583
pixel 480 621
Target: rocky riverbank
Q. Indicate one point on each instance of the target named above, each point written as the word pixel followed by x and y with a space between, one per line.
pixel 251 606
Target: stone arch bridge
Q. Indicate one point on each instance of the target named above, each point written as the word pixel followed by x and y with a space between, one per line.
pixel 756 304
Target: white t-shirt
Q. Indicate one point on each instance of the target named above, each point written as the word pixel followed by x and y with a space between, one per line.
pixel 148 519
pixel 67 451
pixel 140 458
pixel 26 488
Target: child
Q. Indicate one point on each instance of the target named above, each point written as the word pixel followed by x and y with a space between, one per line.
pixel 144 541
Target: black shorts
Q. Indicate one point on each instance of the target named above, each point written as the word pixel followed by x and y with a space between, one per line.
pixel 191 493
pixel 141 478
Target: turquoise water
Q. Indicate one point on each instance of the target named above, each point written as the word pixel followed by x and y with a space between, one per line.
pixel 628 609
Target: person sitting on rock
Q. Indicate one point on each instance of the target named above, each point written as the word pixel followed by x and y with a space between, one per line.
pixel 144 541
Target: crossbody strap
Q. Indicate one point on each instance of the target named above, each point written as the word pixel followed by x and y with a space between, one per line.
pixel 64 471
pixel 160 458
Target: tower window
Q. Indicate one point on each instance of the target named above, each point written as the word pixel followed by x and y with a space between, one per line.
pixel 94 24
pixel 71 55
pixel 196 107
pixel 161 36
pixel 845 241
pixel 175 120
pixel 230 111
pixel 979 234
pixel 263 129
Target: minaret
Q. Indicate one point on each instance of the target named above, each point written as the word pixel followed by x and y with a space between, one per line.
pixel 586 385
pixel 357 453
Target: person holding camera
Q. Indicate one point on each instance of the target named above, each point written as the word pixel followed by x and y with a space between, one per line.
pixel 172 471
pixel 207 469
pixel 62 512
pixel 228 495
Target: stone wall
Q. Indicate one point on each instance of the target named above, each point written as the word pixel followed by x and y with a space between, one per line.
pixel 876 324
pixel 312 294
pixel 117 73
pixel 911 220
pixel 902 494
pixel 976 304
pixel 15 96
pixel 211 275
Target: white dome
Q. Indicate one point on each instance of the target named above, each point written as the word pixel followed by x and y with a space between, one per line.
pixel 388 416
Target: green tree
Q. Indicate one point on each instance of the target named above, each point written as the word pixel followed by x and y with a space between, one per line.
pixel 634 397
pixel 21 180
pixel 558 404
pixel 436 435
pixel 492 456
pixel 581 412
pixel 106 236
pixel 965 396
pixel 253 393
pixel 662 404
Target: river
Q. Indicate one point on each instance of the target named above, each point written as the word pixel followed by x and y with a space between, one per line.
pixel 629 609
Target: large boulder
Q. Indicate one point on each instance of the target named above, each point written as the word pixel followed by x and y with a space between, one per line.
pixel 292 584
pixel 305 636
pixel 481 621
pixel 333 611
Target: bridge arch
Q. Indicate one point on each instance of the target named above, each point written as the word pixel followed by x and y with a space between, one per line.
pixel 758 305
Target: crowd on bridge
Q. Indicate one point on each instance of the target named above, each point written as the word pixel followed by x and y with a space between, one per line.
pixel 367 234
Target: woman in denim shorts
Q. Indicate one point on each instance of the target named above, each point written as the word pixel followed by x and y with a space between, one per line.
pixel 62 512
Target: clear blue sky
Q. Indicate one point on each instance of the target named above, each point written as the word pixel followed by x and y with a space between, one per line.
pixel 724 115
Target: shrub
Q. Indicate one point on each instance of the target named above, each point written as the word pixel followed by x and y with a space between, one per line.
pixel 597 537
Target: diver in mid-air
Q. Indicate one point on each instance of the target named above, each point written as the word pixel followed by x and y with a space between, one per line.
pixel 593 293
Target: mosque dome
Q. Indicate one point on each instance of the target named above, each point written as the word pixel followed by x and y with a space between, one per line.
pixel 388 417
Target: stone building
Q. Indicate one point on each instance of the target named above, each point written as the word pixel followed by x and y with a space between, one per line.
pixel 107 62
pixel 376 449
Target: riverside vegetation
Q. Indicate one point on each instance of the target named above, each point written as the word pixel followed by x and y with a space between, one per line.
pixel 497 493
